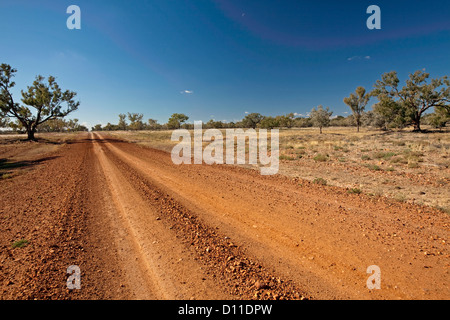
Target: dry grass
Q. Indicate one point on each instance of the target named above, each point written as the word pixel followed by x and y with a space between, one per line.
pixel 418 163
pixel 405 166
pixel 371 162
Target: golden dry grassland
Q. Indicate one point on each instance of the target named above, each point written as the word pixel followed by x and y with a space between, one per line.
pixel 401 165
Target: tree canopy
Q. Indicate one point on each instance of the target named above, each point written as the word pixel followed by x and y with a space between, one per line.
pixel 136 121
pixel 412 100
pixel 357 102
pixel 176 120
pixel 46 98
pixel 320 117
pixel 252 120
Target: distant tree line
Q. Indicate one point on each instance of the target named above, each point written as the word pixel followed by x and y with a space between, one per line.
pixel 56 125
pixel 397 107
pixel 253 120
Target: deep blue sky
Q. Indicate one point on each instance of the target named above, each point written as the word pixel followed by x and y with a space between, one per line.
pixel 235 56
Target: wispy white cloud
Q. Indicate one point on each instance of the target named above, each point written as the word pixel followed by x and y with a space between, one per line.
pixel 69 55
pixel 303 115
pixel 187 92
pixel 246 112
pixel 359 58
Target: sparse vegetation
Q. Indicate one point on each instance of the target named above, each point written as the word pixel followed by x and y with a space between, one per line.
pixel 354 191
pixel 373 167
pixel 383 155
pixel 20 243
pixel 321 158
pixel 286 157
pixel 413 165
pixel 320 181
pixel 396 153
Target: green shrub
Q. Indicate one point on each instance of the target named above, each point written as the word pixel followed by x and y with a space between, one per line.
pixel 400 197
pixel 399 160
pixel 354 191
pixel 320 181
pixel 286 157
pixel 373 167
pixel 20 243
pixel 320 158
pixel 413 165
pixel 383 155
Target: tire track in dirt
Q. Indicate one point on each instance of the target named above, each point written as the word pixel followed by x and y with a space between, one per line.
pixel 322 238
pixel 141 227
pixel 216 265
pixel 166 269
pixel 224 261
pixel 51 207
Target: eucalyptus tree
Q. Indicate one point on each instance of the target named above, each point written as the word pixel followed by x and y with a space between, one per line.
pixel 357 102
pixel 415 98
pixel 42 101
pixel 320 117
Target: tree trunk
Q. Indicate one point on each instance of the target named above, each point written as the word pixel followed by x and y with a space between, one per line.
pixel 417 124
pixel 30 134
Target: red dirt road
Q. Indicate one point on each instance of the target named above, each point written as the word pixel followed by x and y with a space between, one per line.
pixel 140 227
